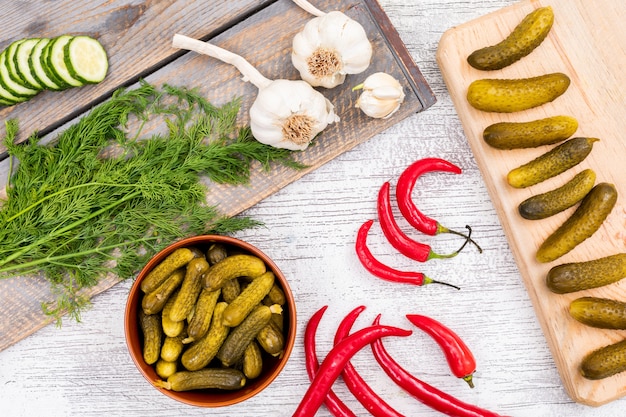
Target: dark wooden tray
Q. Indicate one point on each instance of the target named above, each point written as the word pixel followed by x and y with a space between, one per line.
pixel 138 40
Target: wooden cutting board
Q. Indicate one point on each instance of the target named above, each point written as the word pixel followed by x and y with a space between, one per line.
pixel 138 40
pixel 588 43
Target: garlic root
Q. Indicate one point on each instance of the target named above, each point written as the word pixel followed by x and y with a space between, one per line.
pixel 308 7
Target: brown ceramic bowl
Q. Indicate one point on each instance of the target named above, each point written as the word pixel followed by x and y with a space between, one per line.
pixel 210 398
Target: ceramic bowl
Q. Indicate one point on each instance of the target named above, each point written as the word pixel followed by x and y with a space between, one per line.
pixel 272 366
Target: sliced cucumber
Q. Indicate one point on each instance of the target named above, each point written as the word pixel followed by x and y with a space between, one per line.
pixel 56 60
pixel 10 63
pixel 86 59
pixel 22 55
pixel 35 63
pixel 45 64
pixel 16 89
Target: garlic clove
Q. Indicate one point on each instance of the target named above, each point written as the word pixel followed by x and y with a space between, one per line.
pixel 329 47
pixel 289 114
pixel 381 97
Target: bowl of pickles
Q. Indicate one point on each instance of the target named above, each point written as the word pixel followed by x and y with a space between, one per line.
pixel 210 321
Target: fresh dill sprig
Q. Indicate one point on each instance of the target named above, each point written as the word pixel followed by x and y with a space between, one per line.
pixel 76 212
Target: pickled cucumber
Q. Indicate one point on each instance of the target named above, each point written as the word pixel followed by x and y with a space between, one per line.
pixel 150 325
pixel 518 135
pixel 586 220
pixel 552 163
pixel 512 95
pixel 189 289
pixel 602 313
pixel 552 202
pixel 232 267
pixel 240 337
pixel 524 38
pixel 177 259
pixel 201 352
pixel 224 378
pixel 250 297
pixel 605 361
pixel 578 276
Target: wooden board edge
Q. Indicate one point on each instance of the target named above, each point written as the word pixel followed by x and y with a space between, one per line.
pixel 415 77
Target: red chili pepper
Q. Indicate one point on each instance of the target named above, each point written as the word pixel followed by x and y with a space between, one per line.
pixel 404 244
pixel 425 393
pixel 336 407
pixel 355 383
pixel 383 271
pixel 333 364
pixel 459 357
pixel 404 190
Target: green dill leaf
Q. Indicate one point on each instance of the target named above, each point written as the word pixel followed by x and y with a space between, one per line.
pixel 103 199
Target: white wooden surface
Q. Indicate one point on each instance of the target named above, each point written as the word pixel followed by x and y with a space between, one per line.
pixel 84 368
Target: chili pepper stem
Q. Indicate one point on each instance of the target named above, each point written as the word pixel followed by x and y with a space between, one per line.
pixel 469 380
pixel 442 229
pixel 432 281
pixel 468 238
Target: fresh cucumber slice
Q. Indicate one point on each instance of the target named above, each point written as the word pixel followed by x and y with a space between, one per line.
pixel 56 60
pixel 86 59
pixel 35 63
pixel 16 89
pixel 10 63
pixel 45 64
pixel 21 58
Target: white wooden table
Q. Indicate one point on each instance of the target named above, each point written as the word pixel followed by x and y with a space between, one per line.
pixel 84 368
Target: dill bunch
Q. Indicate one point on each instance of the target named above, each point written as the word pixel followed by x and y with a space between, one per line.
pixel 77 211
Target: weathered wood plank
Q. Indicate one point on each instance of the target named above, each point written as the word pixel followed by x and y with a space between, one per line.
pixel 265 40
pixel 136 35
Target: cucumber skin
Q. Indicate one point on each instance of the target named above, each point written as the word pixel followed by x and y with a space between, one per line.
pixel 602 313
pixel 231 267
pixel 235 344
pixel 245 302
pixel 579 276
pixel 552 163
pixel 605 361
pixel 547 204
pixel 524 38
pixel 226 379
pixel 521 135
pixel 513 95
pixel 202 351
pixel 585 221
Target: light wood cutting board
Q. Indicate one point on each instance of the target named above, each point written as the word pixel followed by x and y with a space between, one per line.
pixel 588 43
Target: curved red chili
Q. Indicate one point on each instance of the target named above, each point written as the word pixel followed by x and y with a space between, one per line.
pixel 333 364
pixel 425 393
pixel 404 190
pixel 459 356
pixel 404 244
pixel 355 383
pixel 336 407
pixel 380 270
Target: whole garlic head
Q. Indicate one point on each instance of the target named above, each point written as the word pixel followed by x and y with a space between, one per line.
pixel 329 47
pixel 381 97
pixel 289 114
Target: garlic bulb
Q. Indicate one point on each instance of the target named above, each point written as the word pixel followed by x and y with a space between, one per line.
pixel 381 97
pixel 330 46
pixel 285 114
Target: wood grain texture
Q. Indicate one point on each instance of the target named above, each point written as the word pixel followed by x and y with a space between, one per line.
pixel 83 369
pixel 21 297
pixel 588 45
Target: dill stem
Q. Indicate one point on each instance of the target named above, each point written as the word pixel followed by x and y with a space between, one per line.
pixel 70 226
pixel 50 259
pixel 75 187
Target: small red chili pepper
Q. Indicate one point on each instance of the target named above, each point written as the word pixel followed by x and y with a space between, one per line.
pixel 336 407
pixel 355 383
pixel 425 393
pixel 380 270
pixel 404 244
pixel 404 190
pixel 333 364
pixel 459 357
